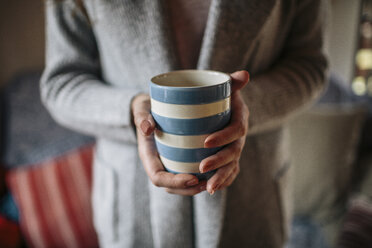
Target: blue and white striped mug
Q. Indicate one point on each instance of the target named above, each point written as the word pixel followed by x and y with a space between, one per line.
pixel 187 106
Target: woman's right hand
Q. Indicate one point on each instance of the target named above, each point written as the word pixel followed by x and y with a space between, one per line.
pixel 181 184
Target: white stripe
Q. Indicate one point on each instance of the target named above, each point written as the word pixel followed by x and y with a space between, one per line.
pixel 59 206
pixel 182 111
pixel 28 207
pixel 181 141
pixel 78 177
pixel 180 166
pixel 47 201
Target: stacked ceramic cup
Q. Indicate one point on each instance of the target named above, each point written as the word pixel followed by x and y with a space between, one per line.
pixel 187 106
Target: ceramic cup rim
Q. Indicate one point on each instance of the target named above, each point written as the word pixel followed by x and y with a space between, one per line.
pixel 193 71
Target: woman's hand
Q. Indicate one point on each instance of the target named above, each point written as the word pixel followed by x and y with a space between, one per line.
pixel 182 184
pixel 226 161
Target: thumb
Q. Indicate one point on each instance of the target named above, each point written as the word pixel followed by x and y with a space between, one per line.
pixel 141 115
pixel 239 80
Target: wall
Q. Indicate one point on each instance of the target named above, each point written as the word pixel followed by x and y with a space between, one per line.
pixel 21 37
pixel 343 37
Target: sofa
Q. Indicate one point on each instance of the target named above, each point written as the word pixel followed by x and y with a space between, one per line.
pixel 46 179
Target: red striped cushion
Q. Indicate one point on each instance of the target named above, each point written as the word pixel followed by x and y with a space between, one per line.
pixel 54 199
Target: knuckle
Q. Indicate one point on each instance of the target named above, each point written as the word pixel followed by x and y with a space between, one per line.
pixel 244 128
pixel 218 157
pixel 236 151
pixel 241 129
pixel 228 181
pixel 177 184
pixel 237 170
pixel 220 178
pixel 156 180
pixel 156 183
pixel 234 164
pixel 246 109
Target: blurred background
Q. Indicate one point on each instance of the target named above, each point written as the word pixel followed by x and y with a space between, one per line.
pixel 21 37
pixel 43 166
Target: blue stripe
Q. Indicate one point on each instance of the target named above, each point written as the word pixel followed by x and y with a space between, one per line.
pixel 183 95
pixel 200 176
pixel 185 155
pixel 199 126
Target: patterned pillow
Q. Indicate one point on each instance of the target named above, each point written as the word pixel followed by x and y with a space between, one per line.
pixel 54 200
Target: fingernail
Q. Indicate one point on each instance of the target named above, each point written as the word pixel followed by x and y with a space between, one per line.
pixel 208 143
pixel 145 126
pixel 205 169
pixel 192 182
pixel 212 192
pixel 211 143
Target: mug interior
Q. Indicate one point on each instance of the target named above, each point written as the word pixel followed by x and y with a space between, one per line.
pixel 191 78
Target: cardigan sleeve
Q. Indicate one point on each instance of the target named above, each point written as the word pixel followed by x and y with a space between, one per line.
pixel 72 88
pixel 297 78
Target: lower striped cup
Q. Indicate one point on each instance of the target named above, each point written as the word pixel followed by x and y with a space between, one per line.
pixel 187 106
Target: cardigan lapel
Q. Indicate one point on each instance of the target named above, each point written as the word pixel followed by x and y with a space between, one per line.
pixel 232 29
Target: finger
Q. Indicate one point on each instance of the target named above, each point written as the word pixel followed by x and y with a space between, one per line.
pixel 143 120
pixel 221 158
pixel 237 128
pixel 189 191
pixel 239 80
pixel 219 177
pixel 230 179
pixel 173 181
pixel 148 125
pixel 155 169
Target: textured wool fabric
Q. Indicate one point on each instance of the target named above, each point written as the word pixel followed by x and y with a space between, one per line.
pixel 94 69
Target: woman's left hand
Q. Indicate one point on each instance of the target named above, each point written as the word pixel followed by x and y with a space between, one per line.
pixel 226 161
